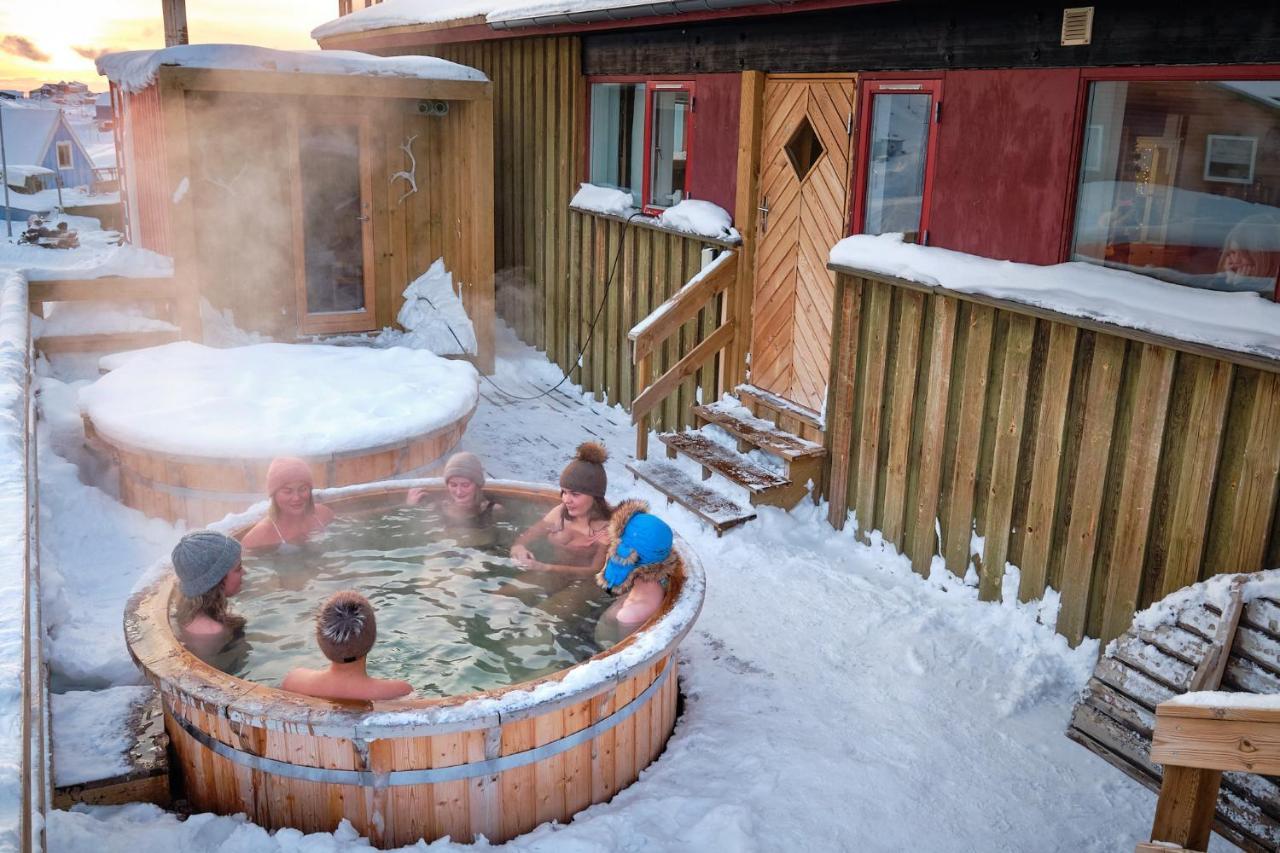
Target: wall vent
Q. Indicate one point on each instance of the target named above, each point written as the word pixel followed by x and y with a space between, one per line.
pixel 1077 26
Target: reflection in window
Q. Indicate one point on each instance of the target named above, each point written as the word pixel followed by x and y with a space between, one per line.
pixel 617 136
pixel 1181 180
pixel 670 148
pixel 896 162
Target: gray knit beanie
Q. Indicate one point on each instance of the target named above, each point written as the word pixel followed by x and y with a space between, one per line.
pixel 202 559
pixel 467 465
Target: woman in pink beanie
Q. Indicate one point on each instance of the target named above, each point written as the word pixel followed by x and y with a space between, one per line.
pixel 293 515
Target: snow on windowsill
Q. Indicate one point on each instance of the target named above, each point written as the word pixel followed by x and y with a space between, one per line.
pixel 135 70
pixel 691 217
pixel 1242 322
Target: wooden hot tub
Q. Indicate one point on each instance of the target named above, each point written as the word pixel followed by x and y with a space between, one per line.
pixel 495 764
pixel 204 489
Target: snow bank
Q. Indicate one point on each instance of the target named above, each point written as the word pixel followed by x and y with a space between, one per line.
pixel 98 318
pixel 700 218
pixel 433 315
pixel 98 256
pixel 134 70
pixel 14 344
pixel 270 400
pixel 1244 322
pixel 91 737
pixel 607 200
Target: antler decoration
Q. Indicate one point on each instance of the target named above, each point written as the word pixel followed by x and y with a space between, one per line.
pixel 408 175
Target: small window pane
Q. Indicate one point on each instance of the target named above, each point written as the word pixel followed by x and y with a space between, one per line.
pixel 64 155
pixel 1181 180
pixel 617 136
pixel 670 156
pixel 895 177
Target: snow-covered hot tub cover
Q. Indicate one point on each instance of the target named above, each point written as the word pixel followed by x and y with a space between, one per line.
pixel 135 70
pixel 267 400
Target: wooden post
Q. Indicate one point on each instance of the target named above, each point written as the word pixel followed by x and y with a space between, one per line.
pixel 175 21
pixel 1184 812
pixel 737 304
pixel 642 423
pixel 479 196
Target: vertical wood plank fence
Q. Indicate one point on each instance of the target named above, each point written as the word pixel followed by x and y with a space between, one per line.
pixel 1114 467
pixel 553 262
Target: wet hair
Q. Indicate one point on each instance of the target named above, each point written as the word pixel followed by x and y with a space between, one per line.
pixel 346 627
pixel 212 604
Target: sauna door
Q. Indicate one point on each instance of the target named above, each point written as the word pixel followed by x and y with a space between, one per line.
pixel 333 234
pixel 804 194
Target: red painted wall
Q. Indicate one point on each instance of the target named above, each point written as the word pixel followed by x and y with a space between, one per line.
pixel 144 170
pixel 714 153
pixel 1005 152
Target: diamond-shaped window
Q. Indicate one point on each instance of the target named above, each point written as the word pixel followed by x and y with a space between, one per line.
pixel 803 148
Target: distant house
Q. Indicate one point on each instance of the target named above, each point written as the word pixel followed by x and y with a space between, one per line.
pixel 41 136
pixel 103 115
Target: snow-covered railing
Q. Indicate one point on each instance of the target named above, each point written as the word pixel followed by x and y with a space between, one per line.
pixel 647 336
pixel 24 776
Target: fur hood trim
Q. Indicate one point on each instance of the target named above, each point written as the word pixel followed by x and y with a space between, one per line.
pixel 622 514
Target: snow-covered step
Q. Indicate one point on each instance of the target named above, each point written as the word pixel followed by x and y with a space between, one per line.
pixel 106 289
pixel 758 432
pixel 109 747
pixel 717 510
pixel 780 406
pixel 106 342
pixel 724 461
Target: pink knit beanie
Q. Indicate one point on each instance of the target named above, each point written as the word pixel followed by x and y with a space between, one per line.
pixel 285 470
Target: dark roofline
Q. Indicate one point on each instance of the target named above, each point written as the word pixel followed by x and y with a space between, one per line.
pixel 659 13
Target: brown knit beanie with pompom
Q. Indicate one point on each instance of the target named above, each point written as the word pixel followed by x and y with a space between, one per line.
pixel 585 473
pixel 346 627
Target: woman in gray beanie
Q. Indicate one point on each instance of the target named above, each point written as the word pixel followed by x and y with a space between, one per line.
pixel 575 534
pixel 208 568
pixel 465 506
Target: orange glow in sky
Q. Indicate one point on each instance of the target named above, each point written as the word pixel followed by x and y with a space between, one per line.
pixel 45 41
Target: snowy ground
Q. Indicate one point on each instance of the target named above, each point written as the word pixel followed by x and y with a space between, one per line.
pixel 835 701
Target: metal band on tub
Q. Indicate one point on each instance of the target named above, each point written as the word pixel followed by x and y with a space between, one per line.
pixel 369 778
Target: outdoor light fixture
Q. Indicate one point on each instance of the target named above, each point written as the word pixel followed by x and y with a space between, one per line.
pixel 433 108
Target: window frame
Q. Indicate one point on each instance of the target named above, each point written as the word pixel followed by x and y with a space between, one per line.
pixel 1123 74
pixel 868 87
pixel 59 148
pixel 652 85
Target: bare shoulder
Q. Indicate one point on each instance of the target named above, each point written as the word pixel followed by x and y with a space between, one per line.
pixel 261 535
pixel 298 680
pixel 393 688
pixel 324 514
pixel 552 518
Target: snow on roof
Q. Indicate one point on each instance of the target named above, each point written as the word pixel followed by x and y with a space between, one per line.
pixel 27 131
pixel 402 13
pixel 17 175
pixel 134 70
pixel 1244 322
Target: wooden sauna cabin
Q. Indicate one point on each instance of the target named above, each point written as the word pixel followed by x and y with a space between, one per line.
pixel 304 191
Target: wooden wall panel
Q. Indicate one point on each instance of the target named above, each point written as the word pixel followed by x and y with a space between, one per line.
pixel 1110 468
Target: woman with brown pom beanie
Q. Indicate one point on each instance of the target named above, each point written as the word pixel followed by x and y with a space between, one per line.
pixel 574 536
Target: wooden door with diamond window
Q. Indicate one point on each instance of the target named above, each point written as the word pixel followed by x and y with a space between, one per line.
pixel 804 195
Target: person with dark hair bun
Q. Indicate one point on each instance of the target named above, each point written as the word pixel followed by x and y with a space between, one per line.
pixel 574 535
pixel 345 631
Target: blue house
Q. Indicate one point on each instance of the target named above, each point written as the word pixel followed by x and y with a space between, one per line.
pixel 40 136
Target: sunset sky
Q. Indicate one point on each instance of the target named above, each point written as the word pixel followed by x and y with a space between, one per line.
pixel 49 40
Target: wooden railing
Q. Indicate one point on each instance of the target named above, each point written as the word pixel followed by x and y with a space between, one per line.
pixel 649 334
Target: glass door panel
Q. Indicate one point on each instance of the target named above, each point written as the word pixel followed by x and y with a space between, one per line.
pixel 896 157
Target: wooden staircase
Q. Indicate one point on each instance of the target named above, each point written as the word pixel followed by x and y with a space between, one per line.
pixel 789 438
pixel 160 291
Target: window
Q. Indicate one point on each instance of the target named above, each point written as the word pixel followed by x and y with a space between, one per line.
pixel 640 134
pixel 898 142
pixel 64 155
pixel 1180 179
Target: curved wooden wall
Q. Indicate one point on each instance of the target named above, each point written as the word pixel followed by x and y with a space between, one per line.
pixel 201 490
pixel 498 806
pixel 1109 464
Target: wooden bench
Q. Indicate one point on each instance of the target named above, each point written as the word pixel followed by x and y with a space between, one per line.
pixel 1232 645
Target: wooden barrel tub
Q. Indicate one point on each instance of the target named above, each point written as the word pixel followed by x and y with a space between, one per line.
pixel 204 489
pixel 495 764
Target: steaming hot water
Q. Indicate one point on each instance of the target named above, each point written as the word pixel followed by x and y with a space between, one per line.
pixel 453 617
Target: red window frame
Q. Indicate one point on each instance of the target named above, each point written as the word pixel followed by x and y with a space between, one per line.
pixel 651 86
pixel 1122 74
pixel 894 85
